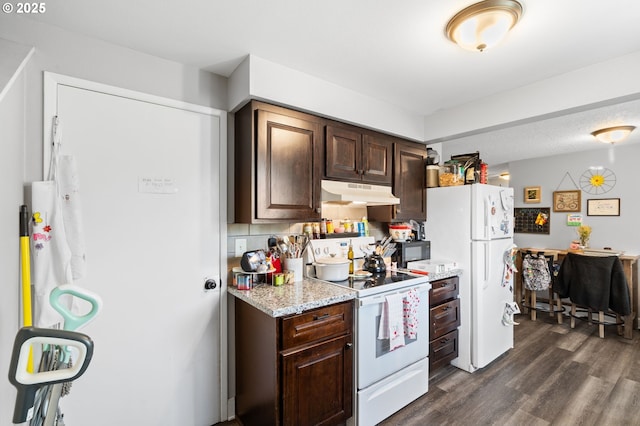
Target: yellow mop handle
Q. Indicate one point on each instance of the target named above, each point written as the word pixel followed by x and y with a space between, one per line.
pixel 25 263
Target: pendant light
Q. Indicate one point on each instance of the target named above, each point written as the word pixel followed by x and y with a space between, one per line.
pixel 483 25
pixel 613 134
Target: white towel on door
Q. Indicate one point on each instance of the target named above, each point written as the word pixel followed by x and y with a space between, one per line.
pixel 392 321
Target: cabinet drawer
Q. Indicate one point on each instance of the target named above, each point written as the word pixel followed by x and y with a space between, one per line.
pixel 443 349
pixel 442 290
pixel 444 318
pixel 317 324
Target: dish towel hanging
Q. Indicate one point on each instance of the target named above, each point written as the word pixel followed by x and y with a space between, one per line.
pixel 392 321
pixel 410 315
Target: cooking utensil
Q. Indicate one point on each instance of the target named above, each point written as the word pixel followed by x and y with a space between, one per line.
pixel 374 263
pixel 332 268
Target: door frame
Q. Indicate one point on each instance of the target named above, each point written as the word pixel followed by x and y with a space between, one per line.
pixel 51 83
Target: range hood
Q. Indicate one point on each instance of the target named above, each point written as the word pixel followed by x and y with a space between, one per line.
pixel 357 193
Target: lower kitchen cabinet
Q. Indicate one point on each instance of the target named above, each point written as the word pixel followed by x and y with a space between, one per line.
pixel 296 370
pixel 444 320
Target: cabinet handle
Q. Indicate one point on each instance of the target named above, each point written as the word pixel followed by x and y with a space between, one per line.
pixel 446 308
pixel 444 341
pixel 320 317
pixel 348 345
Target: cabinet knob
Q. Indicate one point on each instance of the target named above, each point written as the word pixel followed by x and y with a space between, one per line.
pixel 348 345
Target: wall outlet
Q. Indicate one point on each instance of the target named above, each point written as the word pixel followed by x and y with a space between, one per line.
pixel 241 246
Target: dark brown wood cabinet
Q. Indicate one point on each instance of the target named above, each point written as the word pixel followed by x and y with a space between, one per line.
pixel 409 184
pixel 444 320
pixel 296 370
pixel 278 164
pixel 353 154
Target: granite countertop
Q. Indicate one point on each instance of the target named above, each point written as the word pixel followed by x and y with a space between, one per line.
pixel 301 296
pixel 293 298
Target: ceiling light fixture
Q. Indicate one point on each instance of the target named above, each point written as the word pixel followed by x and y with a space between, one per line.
pixel 613 134
pixel 483 25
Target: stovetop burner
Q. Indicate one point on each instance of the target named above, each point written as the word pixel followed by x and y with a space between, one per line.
pixel 383 282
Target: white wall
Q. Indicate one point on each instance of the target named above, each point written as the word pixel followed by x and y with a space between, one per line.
pixel 285 86
pixel 555 96
pixel 21 136
pixel 619 233
pixel 12 119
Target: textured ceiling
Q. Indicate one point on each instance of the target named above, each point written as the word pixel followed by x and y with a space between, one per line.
pixel 395 52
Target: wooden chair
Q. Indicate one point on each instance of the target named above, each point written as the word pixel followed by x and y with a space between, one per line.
pixel 595 284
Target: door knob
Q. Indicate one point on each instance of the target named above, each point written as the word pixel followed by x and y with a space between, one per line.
pixel 210 284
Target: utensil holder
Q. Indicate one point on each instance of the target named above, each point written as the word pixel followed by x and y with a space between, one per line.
pixel 294 264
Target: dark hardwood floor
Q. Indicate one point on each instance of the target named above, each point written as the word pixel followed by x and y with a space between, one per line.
pixel 555 375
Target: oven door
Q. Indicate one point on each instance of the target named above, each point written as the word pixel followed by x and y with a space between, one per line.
pixel 375 360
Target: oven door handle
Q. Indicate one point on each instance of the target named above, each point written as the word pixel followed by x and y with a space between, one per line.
pixel 373 300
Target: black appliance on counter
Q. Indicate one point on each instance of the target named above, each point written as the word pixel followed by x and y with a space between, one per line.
pixel 409 251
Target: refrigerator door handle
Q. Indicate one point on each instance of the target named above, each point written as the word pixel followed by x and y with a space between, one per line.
pixel 487 217
pixel 487 265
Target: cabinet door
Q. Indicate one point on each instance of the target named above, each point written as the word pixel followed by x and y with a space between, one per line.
pixel 409 181
pixel 377 154
pixel 344 154
pixel 317 383
pixel 288 160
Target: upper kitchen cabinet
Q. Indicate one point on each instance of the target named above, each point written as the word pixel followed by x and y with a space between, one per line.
pixel 409 184
pixel 278 164
pixel 356 155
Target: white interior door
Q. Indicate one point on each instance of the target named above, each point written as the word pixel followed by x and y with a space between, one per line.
pixel 150 183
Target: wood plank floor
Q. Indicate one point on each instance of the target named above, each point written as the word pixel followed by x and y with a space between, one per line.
pixel 555 375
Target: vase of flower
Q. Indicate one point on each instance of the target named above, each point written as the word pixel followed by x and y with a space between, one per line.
pixel 584 232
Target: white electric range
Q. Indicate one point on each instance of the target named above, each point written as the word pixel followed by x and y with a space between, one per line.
pixel 386 379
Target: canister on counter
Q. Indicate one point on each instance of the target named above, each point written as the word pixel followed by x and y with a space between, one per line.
pixel 329 226
pixel 244 281
pixel 278 279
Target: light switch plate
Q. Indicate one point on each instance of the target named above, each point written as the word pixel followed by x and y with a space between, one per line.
pixel 241 246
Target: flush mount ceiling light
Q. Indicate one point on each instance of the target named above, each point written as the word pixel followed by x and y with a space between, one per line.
pixel 613 134
pixel 483 25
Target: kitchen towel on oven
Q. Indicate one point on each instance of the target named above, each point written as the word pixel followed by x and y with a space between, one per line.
pixel 392 321
pixel 410 314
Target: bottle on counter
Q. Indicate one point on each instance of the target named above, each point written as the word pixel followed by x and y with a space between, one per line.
pixel 323 226
pixel 350 257
pixel 365 223
pixel 316 230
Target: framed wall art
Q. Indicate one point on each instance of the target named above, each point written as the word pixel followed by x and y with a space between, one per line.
pixel 532 194
pixel 603 207
pixel 567 201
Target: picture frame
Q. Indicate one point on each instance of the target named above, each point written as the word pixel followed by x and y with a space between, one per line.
pixel 603 207
pixel 532 194
pixel 567 201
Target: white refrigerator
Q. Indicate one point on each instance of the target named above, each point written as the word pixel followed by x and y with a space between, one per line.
pixel 473 225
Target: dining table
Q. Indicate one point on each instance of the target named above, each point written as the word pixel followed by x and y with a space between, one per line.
pixel 629 264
